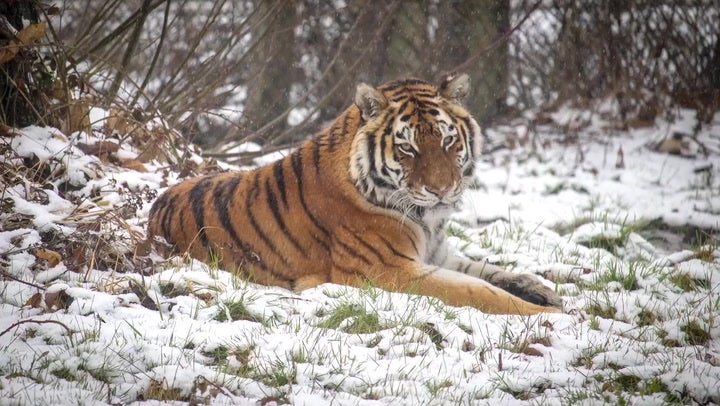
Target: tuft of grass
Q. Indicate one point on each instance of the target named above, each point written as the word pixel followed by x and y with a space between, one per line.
pixel 662 334
pixel 689 284
pixel 449 313
pixel 654 385
pixel 64 373
pixel 453 230
pixel 361 322
pixel 219 354
pixel 433 334
pixel 695 334
pixel 231 360
pixel 374 341
pixel 628 279
pixel 236 310
pixel 277 375
pixel 585 359
pixel 706 252
pixel 435 387
pixel 622 383
pixel 158 390
pixel 609 244
pixel 596 309
pixel 646 318
pixel 169 290
pixel 299 356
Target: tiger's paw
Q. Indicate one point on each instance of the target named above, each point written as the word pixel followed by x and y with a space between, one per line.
pixel 530 289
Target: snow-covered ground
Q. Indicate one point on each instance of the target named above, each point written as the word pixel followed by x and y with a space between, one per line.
pixel 625 233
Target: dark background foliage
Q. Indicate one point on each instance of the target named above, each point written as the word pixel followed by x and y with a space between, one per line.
pixel 225 72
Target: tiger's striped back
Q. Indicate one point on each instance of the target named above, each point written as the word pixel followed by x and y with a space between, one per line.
pixel 364 200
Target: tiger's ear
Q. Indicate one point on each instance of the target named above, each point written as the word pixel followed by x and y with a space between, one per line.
pixel 370 101
pixel 455 87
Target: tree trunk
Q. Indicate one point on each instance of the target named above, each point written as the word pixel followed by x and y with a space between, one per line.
pixel 271 65
pixel 466 28
pixel 407 42
pixel 20 106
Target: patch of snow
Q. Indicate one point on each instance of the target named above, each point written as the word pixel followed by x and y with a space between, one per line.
pixel 133 338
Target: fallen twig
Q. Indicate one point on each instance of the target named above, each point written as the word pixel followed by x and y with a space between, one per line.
pixel 38 322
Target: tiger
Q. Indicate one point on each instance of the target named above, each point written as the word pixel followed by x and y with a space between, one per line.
pixel 364 202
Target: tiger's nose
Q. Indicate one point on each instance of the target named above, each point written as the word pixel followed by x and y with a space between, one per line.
pixel 439 191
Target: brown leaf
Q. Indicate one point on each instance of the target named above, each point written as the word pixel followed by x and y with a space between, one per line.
pixel 273 399
pixel 59 300
pixel 135 165
pixel 34 300
pixel 144 247
pixel 52 11
pixel 24 37
pixel 7 131
pixel 204 296
pixel 116 121
pixel 526 349
pixel 99 148
pixel 79 117
pixel 31 33
pixel 531 351
pixel 52 257
pixel 76 260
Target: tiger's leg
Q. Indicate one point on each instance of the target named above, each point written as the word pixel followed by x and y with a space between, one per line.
pixel 524 286
pixel 310 281
pixel 452 287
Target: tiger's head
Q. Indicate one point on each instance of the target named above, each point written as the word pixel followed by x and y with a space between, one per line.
pixel 416 143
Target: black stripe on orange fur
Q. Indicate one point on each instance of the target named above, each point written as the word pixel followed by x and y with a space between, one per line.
pixel 197 197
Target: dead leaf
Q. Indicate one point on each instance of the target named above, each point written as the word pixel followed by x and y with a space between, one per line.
pixel 204 296
pixel 525 346
pixel 52 257
pixel 77 260
pixel 143 247
pixel 59 300
pixel 135 165
pixel 272 399
pixel 79 116
pixel 532 352
pixel 31 33
pixel 34 300
pixel 52 11
pixel 99 148
pixel 7 131
pixel 676 144
pixel 142 295
pixel 24 37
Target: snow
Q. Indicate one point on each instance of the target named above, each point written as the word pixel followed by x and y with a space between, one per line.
pixel 157 338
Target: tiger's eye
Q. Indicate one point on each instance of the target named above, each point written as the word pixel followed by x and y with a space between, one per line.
pixel 405 149
pixel 448 141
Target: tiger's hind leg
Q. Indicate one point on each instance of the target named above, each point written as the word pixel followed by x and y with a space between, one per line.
pixel 309 281
pixel 524 286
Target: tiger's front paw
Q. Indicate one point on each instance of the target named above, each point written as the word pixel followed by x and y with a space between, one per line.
pixel 530 289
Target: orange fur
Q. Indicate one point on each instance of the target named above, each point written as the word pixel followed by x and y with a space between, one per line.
pixel 309 218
